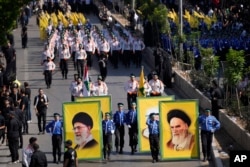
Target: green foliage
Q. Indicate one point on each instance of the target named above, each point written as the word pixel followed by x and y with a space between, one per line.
pixel 156 13
pixel 9 12
pixel 210 62
pixel 235 66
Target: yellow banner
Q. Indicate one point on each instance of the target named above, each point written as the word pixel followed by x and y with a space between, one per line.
pixel 105 101
pixel 179 136
pixel 147 105
pixel 83 125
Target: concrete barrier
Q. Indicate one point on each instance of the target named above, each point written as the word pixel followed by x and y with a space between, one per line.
pixel 234 130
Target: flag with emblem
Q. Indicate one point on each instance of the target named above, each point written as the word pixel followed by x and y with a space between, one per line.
pixel 141 84
pixel 86 90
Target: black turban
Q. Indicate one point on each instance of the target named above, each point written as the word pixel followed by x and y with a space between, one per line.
pixel 178 114
pixel 83 118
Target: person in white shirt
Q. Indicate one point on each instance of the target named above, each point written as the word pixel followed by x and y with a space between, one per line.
pixel 48 67
pixel 89 46
pixel 72 86
pixel 131 87
pixel 64 55
pixel 115 51
pixel 126 51
pixel 100 87
pixel 47 53
pixel 138 47
pixel 103 48
pixel 81 60
pixel 78 88
pixel 147 87
pixel 156 85
pixel 27 152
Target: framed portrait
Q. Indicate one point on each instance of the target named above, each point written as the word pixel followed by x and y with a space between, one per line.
pixel 83 125
pixel 105 101
pixel 146 106
pixel 179 131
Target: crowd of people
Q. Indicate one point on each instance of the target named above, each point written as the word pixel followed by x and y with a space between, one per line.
pixel 82 43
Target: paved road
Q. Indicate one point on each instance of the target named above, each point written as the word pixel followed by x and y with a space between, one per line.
pixel 29 69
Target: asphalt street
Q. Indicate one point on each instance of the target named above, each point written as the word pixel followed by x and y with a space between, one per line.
pixel 29 69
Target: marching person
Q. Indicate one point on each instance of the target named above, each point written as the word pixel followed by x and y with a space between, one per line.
pixel 209 124
pixel 108 129
pixel 156 85
pixel 138 47
pixel 72 86
pixel 64 56
pixel 78 88
pixel 154 134
pixel 74 49
pixel 55 129
pixel 119 119
pixel 115 48
pixel 131 87
pixel 126 51
pixel 41 103
pixel 48 67
pixel 100 87
pixel 70 155
pixel 28 151
pixel 131 120
pixel 89 46
pixel 103 66
pixel 81 60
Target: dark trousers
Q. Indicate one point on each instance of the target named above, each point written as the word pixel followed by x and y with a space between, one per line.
pixel 107 144
pixel 24 42
pixel 80 64
pixel 89 59
pixel 103 72
pixel 115 58
pixel 133 137
pixel 131 98
pixel 56 146
pixel 73 59
pixel 13 146
pixel 20 138
pixel 64 67
pixel 48 77
pixel 41 117
pixel 127 57
pixel 25 122
pixel 138 58
pixel 119 136
pixel 154 145
pixel 206 143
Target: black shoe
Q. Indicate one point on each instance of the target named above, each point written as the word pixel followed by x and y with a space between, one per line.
pixel 153 161
pixel 54 161
pixel 132 152
pixel 58 162
pixel 209 158
pixel 121 151
pixel 204 159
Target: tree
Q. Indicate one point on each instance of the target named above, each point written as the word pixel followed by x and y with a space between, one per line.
pixel 9 12
pixel 234 71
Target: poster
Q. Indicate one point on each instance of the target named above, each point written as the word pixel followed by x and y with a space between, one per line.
pixel 179 130
pixel 83 125
pixel 105 101
pixel 147 105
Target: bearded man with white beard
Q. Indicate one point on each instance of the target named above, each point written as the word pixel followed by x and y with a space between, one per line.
pixel 82 125
pixel 179 123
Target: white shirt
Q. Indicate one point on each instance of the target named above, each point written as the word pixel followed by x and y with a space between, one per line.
pixel 81 55
pixel 156 85
pixel 100 90
pixel 49 65
pixel 131 86
pixel 27 153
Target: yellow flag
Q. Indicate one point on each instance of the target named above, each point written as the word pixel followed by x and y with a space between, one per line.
pixel 141 84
